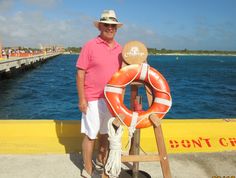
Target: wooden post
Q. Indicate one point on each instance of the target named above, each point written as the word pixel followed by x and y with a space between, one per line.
pixel 164 161
pixel 159 139
pixel 162 152
pixel 135 141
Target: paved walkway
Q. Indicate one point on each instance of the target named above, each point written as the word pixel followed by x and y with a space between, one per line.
pixel 196 165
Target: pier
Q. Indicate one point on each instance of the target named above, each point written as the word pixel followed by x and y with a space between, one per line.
pixel 7 66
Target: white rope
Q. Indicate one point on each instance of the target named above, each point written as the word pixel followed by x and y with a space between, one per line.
pixel 113 165
pixel 144 71
pixel 133 124
pixel 132 128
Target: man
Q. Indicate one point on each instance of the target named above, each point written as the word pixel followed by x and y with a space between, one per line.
pixel 99 59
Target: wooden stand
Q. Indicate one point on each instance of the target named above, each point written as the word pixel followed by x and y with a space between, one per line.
pixel 134 155
pixel 135 144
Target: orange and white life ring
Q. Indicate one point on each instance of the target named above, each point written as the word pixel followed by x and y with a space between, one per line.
pixel 138 72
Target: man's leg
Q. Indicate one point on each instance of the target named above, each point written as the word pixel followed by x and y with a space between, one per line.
pixel 87 151
pixel 103 148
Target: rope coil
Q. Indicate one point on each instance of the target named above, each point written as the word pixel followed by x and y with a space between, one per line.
pixel 113 165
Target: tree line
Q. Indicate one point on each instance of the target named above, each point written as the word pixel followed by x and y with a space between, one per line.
pixel 155 51
pixel 187 51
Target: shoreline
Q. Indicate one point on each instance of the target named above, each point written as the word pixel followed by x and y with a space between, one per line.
pixel 192 54
pixel 175 54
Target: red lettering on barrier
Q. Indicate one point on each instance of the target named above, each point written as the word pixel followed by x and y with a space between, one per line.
pixel 186 143
pixel 174 144
pixel 207 140
pixel 190 143
pixel 201 142
pixel 197 142
pixel 223 142
pixel 232 141
pixel 227 142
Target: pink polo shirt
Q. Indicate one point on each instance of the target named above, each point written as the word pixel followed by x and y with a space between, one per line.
pixel 100 62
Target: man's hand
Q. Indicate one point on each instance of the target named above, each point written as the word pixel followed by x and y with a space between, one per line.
pixel 83 104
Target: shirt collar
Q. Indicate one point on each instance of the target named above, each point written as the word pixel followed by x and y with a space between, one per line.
pixel 100 40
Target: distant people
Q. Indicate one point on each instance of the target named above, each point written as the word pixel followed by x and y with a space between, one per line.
pixel 3 52
pixel 99 59
pixel 8 52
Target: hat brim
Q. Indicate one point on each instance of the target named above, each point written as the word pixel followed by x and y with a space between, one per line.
pixel 96 23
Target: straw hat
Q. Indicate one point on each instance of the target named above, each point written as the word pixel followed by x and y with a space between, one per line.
pixel 109 17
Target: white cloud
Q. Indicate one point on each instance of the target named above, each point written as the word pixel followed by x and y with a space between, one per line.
pixel 31 29
pixel 43 3
pixel 131 32
pixel 5 5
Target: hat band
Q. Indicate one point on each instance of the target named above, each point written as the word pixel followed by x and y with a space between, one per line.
pixel 109 19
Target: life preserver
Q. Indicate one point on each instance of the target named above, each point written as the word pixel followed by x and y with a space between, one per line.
pixel 138 72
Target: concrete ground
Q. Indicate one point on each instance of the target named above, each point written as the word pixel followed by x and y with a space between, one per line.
pixel 195 165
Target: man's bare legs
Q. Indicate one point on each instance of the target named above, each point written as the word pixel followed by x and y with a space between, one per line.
pixel 102 148
pixel 87 151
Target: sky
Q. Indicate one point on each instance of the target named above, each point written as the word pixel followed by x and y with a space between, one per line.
pixel 169 24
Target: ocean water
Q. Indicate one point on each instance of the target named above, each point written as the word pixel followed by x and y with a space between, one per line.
pixel 201 87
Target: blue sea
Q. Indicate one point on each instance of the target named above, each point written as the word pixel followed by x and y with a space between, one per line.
pixel 201 87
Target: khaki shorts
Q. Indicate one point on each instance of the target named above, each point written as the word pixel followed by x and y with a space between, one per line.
pixel 96 119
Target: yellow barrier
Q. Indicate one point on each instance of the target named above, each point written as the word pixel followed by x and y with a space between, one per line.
pixel 198 135
pixel 54 136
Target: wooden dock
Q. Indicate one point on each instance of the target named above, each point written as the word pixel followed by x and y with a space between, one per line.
pixel 16 63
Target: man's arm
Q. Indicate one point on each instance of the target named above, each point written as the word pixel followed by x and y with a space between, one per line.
pixel 81 92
